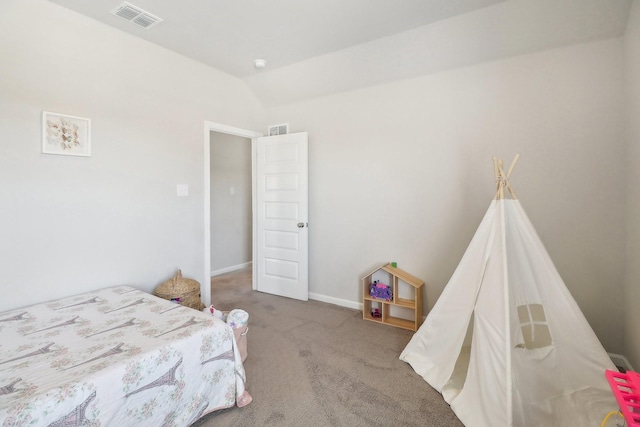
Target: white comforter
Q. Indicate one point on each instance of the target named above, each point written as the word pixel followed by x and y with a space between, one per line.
pixel 115 357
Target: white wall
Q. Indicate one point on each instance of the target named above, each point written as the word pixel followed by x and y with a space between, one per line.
pixel 231 218
pixel 69 224
pixel 402 172
pixel 631 297
pixel 399 172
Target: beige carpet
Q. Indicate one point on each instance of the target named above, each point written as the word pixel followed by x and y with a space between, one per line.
pixel 317 364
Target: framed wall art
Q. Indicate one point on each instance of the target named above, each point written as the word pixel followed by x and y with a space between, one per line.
pixel 66 135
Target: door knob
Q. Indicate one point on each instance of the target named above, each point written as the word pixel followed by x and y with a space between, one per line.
pixel 301 225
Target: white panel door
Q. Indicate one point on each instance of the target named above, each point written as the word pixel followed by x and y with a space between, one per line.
pixel 282 216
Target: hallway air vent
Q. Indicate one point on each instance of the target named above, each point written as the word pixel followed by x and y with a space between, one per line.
pixel 279 129
pixel 136 15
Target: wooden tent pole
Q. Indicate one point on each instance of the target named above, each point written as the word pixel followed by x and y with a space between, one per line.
pixel 513 164
pixel 502 179
pixel 495 173
pixel 497 170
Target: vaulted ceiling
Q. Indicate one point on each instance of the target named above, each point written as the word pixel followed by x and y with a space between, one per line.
pixel 315 48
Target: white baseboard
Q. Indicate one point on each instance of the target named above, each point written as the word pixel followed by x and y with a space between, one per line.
pixel 230 269
pixel 621 361
pixel 358 306
pixel 336 301
pixel 344 303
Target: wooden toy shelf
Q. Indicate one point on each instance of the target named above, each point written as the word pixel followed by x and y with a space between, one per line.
pixel 399 280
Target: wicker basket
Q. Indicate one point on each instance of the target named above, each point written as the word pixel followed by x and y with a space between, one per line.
pixel 181 290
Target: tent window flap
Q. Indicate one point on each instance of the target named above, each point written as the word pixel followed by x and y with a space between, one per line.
pixel 534 327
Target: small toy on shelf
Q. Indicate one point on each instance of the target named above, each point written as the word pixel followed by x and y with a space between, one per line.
pixel 380 291
pixel 399 302
pixel 375 313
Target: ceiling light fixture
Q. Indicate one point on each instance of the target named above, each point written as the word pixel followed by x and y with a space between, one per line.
pixel 259 64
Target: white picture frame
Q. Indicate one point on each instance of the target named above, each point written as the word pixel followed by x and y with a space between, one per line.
pixel 66 135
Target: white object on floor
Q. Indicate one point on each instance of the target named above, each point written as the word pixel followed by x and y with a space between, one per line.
pixel 238 321
pixel 214 312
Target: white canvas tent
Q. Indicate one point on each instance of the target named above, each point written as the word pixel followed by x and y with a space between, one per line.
pixel 506 343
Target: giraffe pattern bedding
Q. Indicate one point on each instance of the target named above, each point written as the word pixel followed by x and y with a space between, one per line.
pixel 115 357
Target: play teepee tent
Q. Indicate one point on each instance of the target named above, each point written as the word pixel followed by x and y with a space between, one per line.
pixel 506 343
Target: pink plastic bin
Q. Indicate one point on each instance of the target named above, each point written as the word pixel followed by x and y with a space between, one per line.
pixel 626 389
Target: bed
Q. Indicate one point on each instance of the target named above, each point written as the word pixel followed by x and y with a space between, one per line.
pixel 115 357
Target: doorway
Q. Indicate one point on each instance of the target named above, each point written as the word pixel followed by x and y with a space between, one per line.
pixel 209 128
pixel 230 210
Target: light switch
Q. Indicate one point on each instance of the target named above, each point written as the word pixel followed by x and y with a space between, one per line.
pixel 182 190
pixel 232 191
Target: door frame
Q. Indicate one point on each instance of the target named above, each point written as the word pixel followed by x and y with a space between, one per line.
pixel 209 127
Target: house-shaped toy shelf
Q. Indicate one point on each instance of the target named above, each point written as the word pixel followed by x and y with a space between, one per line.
pixel 404 309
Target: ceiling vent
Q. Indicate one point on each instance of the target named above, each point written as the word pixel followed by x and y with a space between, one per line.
pixel 279 129
pixel 136 15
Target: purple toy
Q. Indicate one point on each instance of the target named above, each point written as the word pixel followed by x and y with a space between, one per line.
pixel 380 291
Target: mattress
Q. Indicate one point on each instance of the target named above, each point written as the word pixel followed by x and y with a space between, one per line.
pixel 115 357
